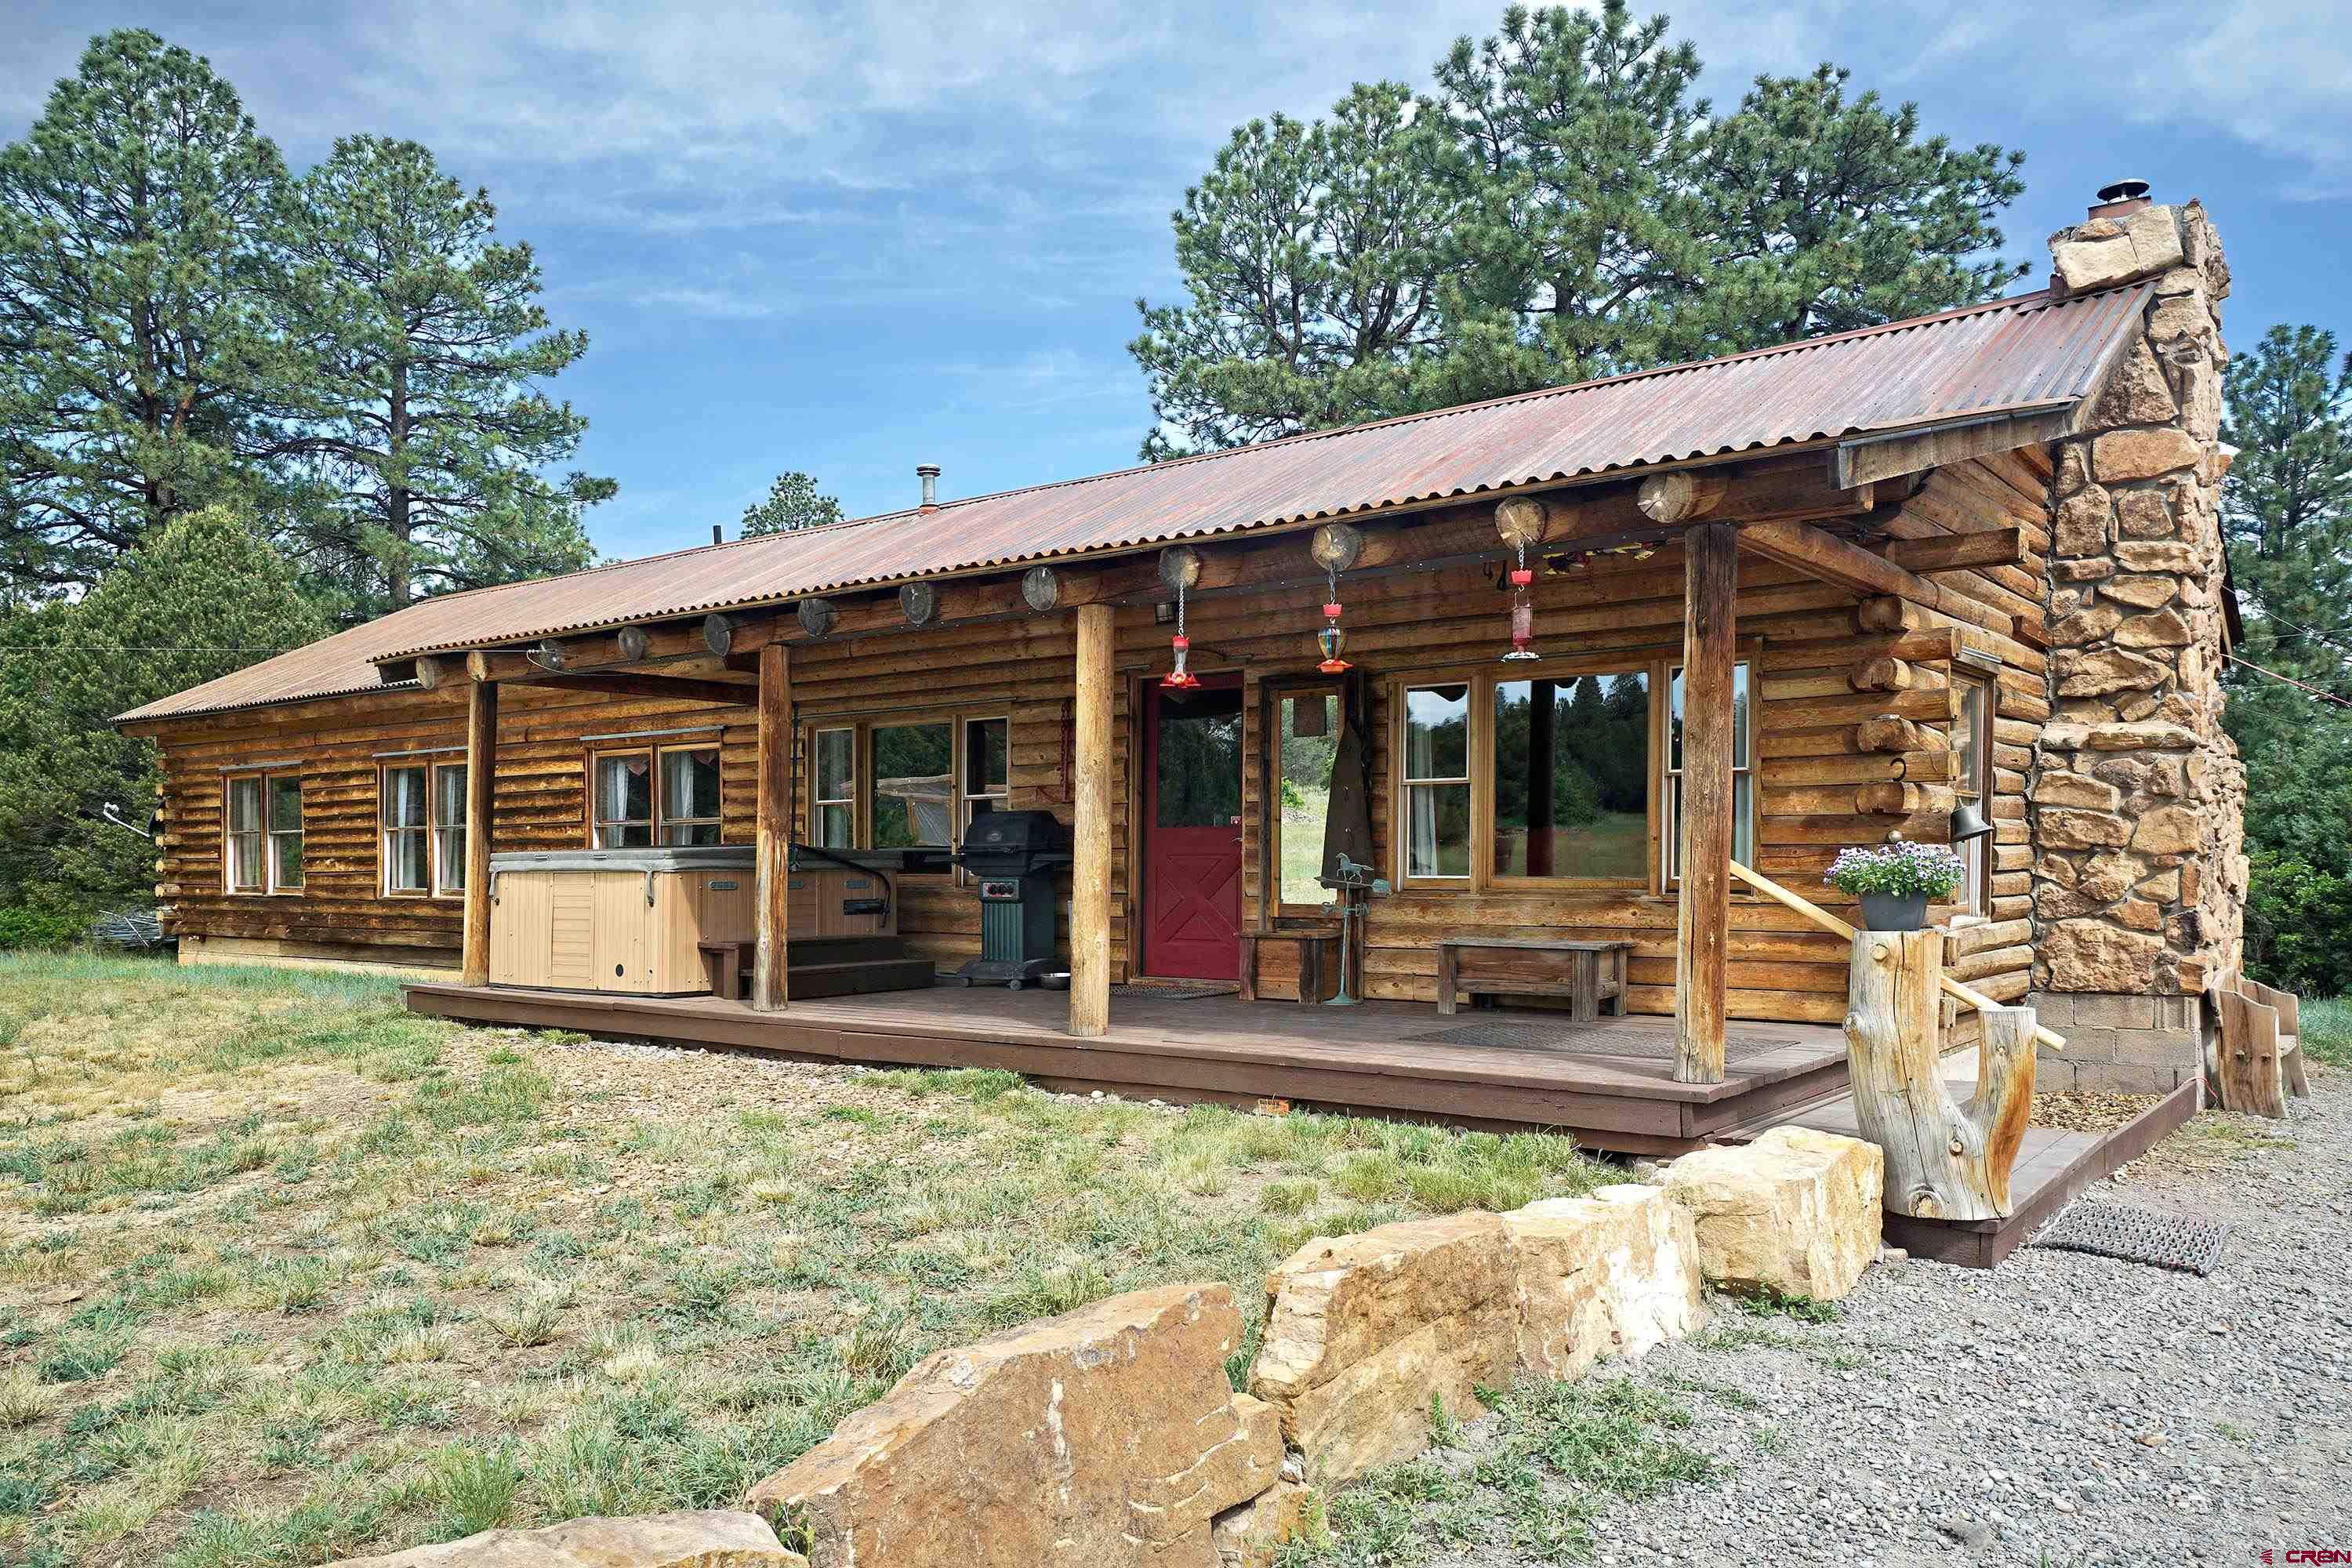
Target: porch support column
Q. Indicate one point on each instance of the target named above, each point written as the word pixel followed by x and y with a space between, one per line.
pixel 771 959
pixel 482 791
pixel 1703 920
pixel 1091 848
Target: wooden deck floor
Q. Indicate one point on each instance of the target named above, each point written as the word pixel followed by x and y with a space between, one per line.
pixel 1611 1083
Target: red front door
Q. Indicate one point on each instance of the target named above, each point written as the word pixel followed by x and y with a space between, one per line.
pixel 1192 830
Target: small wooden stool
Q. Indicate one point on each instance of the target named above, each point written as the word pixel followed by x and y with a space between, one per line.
pixel 1315 963
pixel 1587 973
pixel 722 963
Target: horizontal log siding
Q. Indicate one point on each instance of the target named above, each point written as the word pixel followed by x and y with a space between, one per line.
pixel 1807 767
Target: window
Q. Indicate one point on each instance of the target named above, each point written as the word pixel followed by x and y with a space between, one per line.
pixel 284 835
pixel 1566 774
pixel 1437 781
pixel 906 784
pixel 623 800
pixel 914 786
pixel 836 767
pixel 1743 774
pixel 689 794
pixel 262 843
pixel 1971 784
pixel 1571 774
pixel 987 767
pixel 449 828
pixel 667 796
pixel 424 829
pixel 1307 739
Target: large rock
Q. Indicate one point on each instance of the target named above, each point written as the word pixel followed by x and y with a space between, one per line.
pixel 1797 1211
pixel 2092 955
pixel 1604 1277
pixel 1250 1535
pixel 2104 252
pixel 1364 1332
pixel 714 1537
pixel 1108 1435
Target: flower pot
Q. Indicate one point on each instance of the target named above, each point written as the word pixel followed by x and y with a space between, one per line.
pixel 1895 911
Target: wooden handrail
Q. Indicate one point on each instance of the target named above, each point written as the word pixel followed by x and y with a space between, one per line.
pixel 1836 927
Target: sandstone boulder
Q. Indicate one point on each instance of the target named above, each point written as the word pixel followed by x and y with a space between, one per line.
pixel 1604 1277
pixel 712 1538
pixel 1798 1211
pixel 1250 1535
pixel 2104 252
pixel 1108 1435
pixel 1361 1334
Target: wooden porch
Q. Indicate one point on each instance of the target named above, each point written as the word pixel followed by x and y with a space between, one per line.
pixel 1611 1083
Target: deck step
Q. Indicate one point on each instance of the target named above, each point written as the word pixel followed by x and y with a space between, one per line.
pixel 808 981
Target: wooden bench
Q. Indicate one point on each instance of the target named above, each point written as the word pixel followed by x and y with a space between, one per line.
pixel 2256 1057
pixel 1314 963
pixel 1587 973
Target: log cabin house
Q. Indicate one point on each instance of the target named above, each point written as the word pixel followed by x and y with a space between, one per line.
pixel 1544 667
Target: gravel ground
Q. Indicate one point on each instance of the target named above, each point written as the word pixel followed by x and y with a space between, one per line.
pixel 2060 1410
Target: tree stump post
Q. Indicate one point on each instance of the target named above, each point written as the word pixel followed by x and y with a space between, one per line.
pixel 1944 1160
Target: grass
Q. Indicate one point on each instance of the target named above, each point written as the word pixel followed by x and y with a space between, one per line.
pixel 2327 1027
pixel 1552 1455
pixel 287 1274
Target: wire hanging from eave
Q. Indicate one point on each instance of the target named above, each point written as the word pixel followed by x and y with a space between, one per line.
pixel 2289 679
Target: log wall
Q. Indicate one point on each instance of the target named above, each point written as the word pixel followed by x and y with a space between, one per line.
pixel 1806 640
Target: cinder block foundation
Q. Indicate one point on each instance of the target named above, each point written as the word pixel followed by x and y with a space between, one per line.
pixel 2118 1043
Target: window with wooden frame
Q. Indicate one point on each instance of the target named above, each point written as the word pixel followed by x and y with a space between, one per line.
pixel 667 795
pixel 1560 775
pixel 1303 725
pixel 1972 780
pixel 987 780
pixel 833 766
pixel 1743 774
pixel 261 839
pixel 913 782
pixel 424 829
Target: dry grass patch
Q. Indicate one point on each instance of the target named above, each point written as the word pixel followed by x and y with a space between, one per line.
pixel 286 1273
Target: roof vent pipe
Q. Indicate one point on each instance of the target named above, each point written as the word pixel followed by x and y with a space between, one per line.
pixel 2121 197
pixel 929 474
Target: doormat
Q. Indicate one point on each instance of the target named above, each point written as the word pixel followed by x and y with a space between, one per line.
pixel 1588 1039
pixel 2137 1235
pixel 1175 993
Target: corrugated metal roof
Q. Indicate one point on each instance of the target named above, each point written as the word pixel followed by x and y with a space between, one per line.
pixel 2019 352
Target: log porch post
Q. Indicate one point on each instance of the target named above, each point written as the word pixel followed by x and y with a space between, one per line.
pixel 1091 848
pixel 772 959
pixel 1703 916
pixel 482 791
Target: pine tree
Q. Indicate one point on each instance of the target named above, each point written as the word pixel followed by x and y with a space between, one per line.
pixel 1559 207
pixel 138 377
pixel 2287 513
pixel 792 505
pixel 425 420
pixel 202 598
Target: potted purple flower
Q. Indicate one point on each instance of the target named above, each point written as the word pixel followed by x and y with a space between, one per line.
pixel 1897 881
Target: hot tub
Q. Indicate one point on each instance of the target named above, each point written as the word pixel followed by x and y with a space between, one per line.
pixel 617 919
pixel 634 921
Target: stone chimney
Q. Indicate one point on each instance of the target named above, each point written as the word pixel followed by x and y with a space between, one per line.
pixel 2136 796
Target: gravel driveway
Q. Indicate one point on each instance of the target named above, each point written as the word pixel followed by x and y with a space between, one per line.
pixel 2061 1410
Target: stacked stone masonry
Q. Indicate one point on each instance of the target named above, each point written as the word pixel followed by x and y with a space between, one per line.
pixel 2137 794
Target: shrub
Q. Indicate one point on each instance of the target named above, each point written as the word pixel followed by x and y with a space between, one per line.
pixel 26 926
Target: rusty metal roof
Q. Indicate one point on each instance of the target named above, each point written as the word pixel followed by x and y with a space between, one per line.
pixel 2016 353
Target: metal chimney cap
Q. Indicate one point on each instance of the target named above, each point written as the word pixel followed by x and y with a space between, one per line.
pixel 2123 190
pixel 926 470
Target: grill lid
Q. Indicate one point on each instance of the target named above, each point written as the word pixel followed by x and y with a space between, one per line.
pixel 998 833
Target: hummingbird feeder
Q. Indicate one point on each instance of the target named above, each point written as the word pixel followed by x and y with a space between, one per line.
pixel 1521 520
pixel 1179 568
pixel 1335 547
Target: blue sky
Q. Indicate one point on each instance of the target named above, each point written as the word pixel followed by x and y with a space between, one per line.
pixel 851 239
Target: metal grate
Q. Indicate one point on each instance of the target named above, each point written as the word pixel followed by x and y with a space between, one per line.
pixel 2137 1235
pixel 1588 1039
pixel 1173 993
